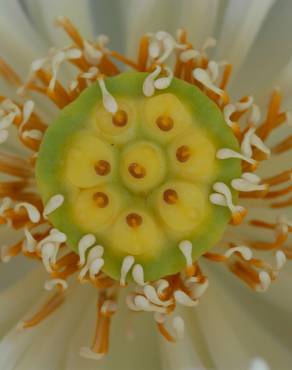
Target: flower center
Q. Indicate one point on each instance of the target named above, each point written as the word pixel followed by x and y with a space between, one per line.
pixel 138 177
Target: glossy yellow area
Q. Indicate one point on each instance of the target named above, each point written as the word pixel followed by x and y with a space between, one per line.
pixel 200 165
pixel 116 133
pixel 150 158
pixel 98 207
pixel 187 211
pixel 82 157
pixel 140 177
pixel 144 240
pixel 167 105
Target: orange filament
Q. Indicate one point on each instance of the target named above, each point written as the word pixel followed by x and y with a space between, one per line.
pixel 124 60
pixel 283 204
pixel 164 332
pixel 49 307
pixel 278 179
pixel 283 146
pixel 102 168
pixel 143 53
pixel 215 257
pixel 238 217
pixel 278 193
pixel 226 76
pixel 71 30
pixel 15 166
pixel 278 243
pixel 246 273
pixel 69 259
pixel 274 106
pixel 263 224
pixel 101 339
pixel 9 74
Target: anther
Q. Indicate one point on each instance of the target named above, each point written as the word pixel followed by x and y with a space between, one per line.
pixel 134 220
pixel 120 118
pixel 100 199
pixel 136 170
pixel 165 123
pixel 183 153
pixel 170 196
pixel 102 167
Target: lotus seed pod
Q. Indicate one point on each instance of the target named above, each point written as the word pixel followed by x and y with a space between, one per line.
pixel 139 177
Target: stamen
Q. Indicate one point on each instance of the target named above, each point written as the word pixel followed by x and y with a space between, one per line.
pixel 48 308
pixel 183 299
pixel 179 327
pixel 32 211
pixel 153 297
pixel 138 274
pixel 127 264
pixel 148 85
pixel 54 202
pixel 164 82
pixel 223 197
pixel 242 249
pixel 52 283
pixel 84 244
pixel 109 101
pixel 229 109
pixel 248 182
pixel 94 263
pixel 186 248
pixel 227 153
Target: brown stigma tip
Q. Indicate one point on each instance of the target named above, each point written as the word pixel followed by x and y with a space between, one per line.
pixel 170 196
pixel 165 123
pixel 100 199
pixel 137 171
pixel 102 167
pixel 134 220
pixel 120 118
pixel 183 153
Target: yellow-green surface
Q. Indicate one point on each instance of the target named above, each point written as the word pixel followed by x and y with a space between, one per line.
pixel 139 181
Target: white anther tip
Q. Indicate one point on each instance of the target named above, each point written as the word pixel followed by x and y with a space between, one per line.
pixel 86 352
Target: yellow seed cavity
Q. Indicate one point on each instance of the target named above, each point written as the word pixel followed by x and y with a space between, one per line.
pixel 165 117
pixel 185 209
pixel 192 156
pixel 96 208
pixel 120 127
pixel 142 166
pixel 136 233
